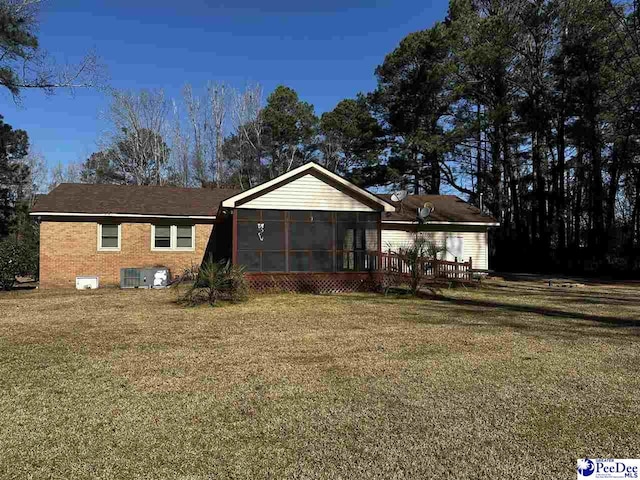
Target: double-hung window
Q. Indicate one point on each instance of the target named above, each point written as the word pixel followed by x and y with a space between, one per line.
pixel 162 236
pixel 173 237
pixel 109 237
pixel 184 236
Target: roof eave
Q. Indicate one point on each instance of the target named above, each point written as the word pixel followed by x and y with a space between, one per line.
pixel 475 224
pixel 120 215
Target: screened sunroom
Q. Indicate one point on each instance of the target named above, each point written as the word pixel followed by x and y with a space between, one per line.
pixel 296 241
pixel 306 222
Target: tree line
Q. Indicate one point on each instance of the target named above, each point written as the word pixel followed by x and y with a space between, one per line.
pixel 525 108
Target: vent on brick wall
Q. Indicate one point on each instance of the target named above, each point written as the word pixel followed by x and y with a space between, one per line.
pixel 144 277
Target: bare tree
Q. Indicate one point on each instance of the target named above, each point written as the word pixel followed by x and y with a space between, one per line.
pixel 137 136
pixel 197 116
pixel 24 65
pixel 206 115
pixel 37 173
pixel 217 100
pixel 248 130
pixel 69 173
pixel 180 150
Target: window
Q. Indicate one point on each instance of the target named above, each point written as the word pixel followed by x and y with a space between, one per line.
pixel 184 236
pixel 162 237
pixel 173 237
pixel 455 248
pixel 109 237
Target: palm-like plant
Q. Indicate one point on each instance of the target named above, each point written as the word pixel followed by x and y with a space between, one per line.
pixel 414 254
pixel 217 280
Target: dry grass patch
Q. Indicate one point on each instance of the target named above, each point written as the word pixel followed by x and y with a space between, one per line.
pixel 512 380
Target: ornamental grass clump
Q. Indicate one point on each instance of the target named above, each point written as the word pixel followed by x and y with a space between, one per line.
pixel 214 281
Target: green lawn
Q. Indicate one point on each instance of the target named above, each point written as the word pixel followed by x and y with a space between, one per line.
pixel 515 380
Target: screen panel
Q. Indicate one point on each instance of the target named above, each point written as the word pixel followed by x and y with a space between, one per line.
pixel 250 260
pixel 274 261
pixel 299 216
pixel 301 236
pixel 299 262
pixel 323 236
pixel 319 216
pixel 350 217
pixel 248 214
pixel 371 239
pixel 273 215
pixel 364 217
pixel 322 261
pixel 261 235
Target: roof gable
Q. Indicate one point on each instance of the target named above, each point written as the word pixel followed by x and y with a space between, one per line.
pixel 309 187
pixel 307 192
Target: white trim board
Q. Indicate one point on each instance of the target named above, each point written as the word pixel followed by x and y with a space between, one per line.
pixel 474 224
pixel 119 215
pixel 231 202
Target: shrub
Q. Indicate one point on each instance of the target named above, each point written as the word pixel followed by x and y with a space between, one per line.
pixel 215 281
pixel 414 254
pixel 16 258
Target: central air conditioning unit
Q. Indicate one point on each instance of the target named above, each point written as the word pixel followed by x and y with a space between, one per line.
pixel 144 277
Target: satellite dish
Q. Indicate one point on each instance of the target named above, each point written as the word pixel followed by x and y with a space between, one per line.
pixel 425 211
pixel 429 206
pixel 399 196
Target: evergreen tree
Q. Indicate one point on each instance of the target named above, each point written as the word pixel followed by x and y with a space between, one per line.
pixel 101 167
pixel 290 127
pixel 14 174
pixel 412 99
pixel 352 137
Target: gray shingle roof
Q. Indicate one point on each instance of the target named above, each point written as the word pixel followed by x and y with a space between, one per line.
pixel 448 208
pixel 132 199
pixel 171 201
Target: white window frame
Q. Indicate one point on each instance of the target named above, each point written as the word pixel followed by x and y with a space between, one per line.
pixel 109 249
pixel 174 240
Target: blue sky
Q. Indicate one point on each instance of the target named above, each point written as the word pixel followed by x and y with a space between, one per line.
pixel 326 50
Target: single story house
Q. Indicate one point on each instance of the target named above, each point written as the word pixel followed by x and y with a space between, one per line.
pixel 308 221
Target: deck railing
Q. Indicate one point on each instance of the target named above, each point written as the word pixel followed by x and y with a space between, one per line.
pixel 428 268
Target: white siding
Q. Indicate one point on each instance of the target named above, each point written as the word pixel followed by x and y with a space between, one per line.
pixel 394 239
pixel 307 193
pixel 475 243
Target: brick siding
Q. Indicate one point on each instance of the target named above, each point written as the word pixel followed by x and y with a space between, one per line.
pixel 70 248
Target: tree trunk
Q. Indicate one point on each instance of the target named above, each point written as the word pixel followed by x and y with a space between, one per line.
pixel 596 242
pixel 560 199
pixel 479 164
pixel 577 212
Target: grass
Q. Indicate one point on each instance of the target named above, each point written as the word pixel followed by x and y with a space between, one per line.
pixel 515 380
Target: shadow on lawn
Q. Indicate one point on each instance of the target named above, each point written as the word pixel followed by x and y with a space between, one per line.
pixel 490 313
pixel 544 311
pixel 573 295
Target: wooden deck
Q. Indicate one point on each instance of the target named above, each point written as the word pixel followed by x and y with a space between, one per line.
pixel 377 272
pixel 428 269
